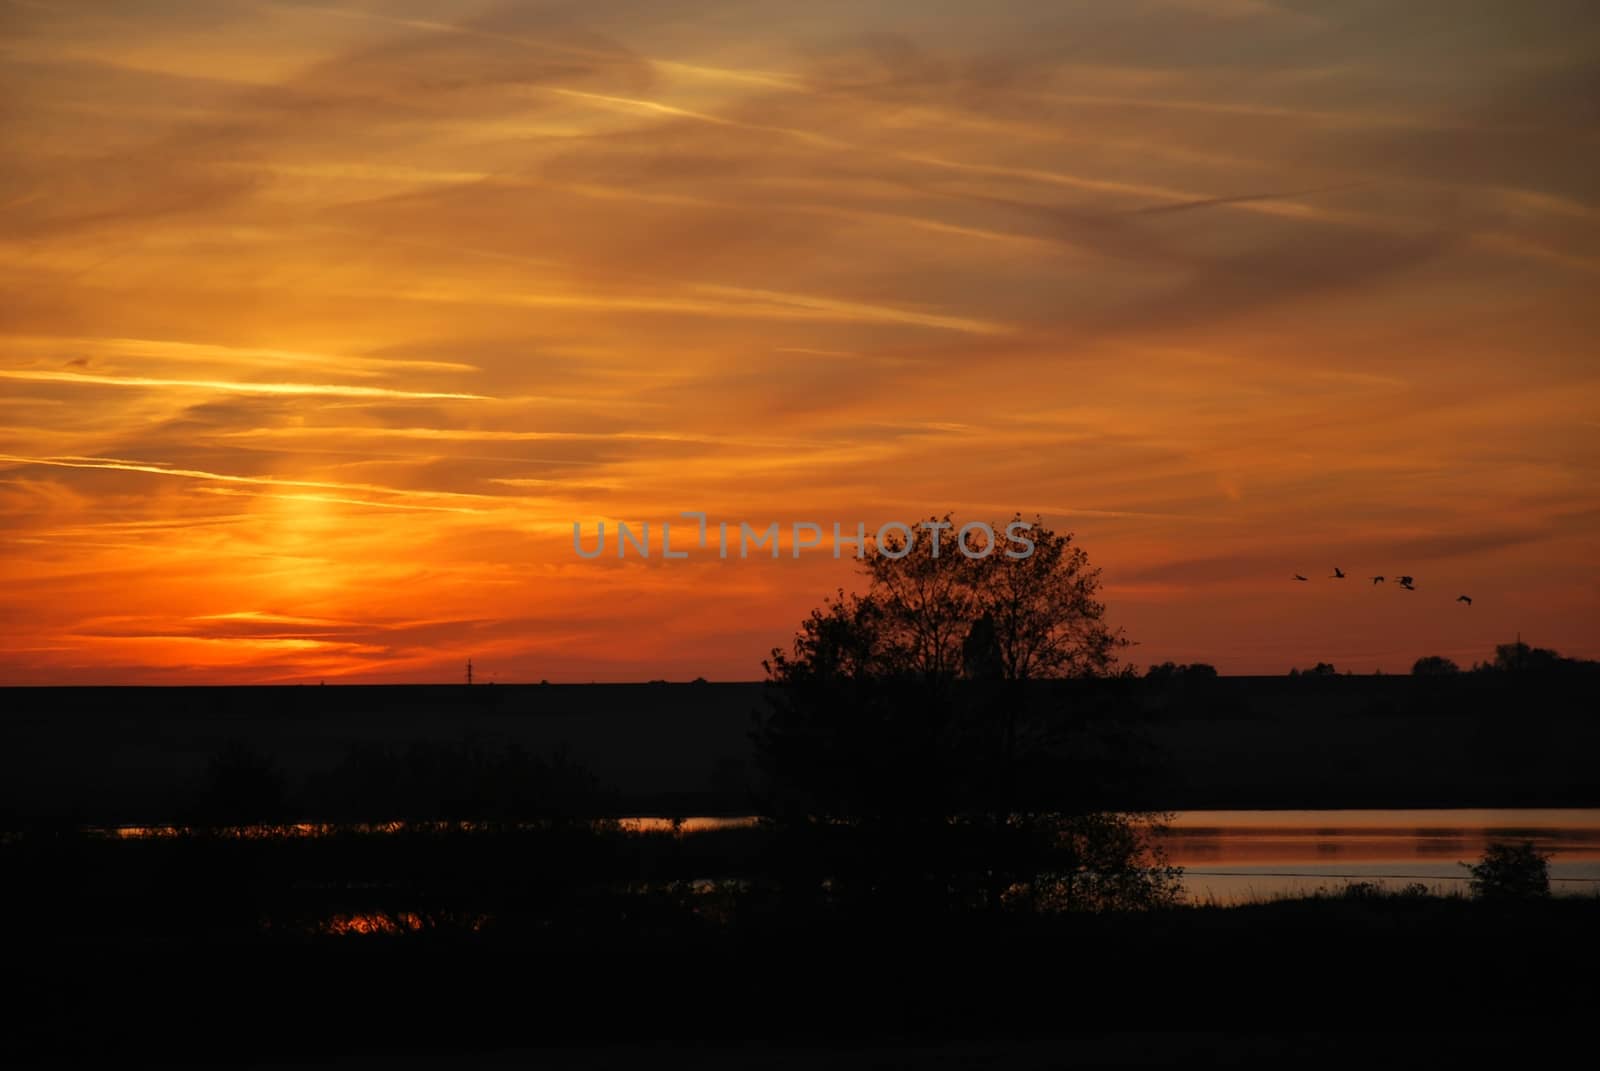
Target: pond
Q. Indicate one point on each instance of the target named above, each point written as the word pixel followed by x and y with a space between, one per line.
pixel 1232 857
pixel 1239 856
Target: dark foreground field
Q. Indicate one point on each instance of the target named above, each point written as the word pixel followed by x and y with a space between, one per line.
pixel 131 755
pixel 476 904
pixel 1307 979
pixel 569 946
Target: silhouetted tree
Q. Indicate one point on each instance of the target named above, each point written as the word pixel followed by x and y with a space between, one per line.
pixel 981 659
pixel 933 612
pixel 459 781
pixel 1434 666
pixel 242 785
pixel 1043 608
pixel 1511 872
pixel 900 729
pixel 1172 671
pixel 1518 657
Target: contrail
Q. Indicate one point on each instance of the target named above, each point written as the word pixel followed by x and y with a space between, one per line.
pixel 735 302
pixel 118 465
pixel 329 389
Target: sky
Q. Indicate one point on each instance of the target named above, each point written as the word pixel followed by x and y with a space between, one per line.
pixel 324 323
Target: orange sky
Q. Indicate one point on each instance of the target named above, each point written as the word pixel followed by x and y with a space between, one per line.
pixel 323 323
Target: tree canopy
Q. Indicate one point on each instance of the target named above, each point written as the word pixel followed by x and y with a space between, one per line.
pixel 908 745
pixel 933 613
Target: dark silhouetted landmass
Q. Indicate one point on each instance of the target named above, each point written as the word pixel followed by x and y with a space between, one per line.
pixel 473 891
pixel 129 755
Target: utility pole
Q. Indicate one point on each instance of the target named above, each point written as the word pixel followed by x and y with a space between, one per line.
pixel 469 672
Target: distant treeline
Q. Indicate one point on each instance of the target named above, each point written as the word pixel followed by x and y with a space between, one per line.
pixel 1519 734
pixel 1517 659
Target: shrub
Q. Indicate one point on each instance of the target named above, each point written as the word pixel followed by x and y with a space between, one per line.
pixel 1511 872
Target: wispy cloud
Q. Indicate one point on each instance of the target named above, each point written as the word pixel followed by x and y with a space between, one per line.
pixel 342 320
pixel 121 465
pixel 335 390
pixel 214 355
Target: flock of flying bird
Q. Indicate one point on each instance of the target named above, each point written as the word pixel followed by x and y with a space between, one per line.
pixel 1404 581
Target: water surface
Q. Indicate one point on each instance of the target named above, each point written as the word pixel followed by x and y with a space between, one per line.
pixel 1238 856
pixel 1231 857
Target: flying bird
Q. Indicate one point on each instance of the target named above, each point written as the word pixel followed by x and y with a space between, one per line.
pixel 1464 598
pixel 1405 582
pixel 1377 580
pixel 1338 573
pixel 1297 576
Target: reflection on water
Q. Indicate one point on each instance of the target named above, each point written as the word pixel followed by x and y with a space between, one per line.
pixel 1237 856
pixel 386 923
pixel 687 825
pixel 1226 856
pixel 366 923
pixel 291 830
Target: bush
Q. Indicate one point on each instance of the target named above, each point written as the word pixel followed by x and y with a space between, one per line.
pixel 242 785
pixel 1511 872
